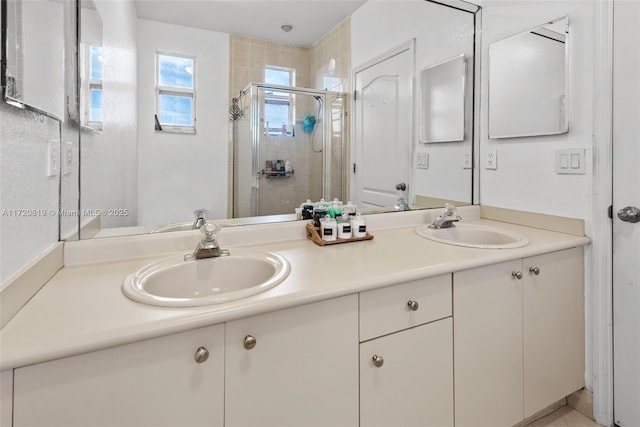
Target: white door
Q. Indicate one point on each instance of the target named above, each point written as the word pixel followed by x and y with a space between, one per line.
pixel 626 193
pixel 383 129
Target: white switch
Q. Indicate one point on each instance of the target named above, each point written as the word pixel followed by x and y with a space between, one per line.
pixel 564 161
pixel 422 160
pixel 67 158
pixel 53 157
pixel 491 159
pixel 570 161
pixel 575 161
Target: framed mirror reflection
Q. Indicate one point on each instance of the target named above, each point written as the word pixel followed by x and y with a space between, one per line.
pixel 528 82
pixel 138 175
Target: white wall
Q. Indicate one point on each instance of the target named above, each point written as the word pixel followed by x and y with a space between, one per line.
pixel 28 198
pixel 190 171
pixel 381 25
pixel 109 160
pixel 525 178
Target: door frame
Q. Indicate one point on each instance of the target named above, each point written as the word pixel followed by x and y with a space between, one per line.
pixel 409 45
pixel 600 349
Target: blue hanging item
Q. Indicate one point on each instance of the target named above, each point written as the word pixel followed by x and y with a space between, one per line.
pixel 308 123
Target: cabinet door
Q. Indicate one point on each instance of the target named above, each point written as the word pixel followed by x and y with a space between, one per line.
pixel 301 371
pixel 487 313
pixel 151 383
pixel 553 316
pixel 414 384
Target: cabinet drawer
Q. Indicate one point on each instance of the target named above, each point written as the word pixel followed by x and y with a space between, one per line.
pixel 387 310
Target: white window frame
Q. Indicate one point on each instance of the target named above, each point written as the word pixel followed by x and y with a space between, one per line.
pixel 87 85
pixel 279 96
pixel 175 91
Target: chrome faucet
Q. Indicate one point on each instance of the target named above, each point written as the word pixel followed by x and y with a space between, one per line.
pixel 446 218
pixel 199 218
pixel 208 246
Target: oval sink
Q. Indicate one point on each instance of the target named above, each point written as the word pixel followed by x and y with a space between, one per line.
pixel 474 236
pixel 174 282
pixel 178 226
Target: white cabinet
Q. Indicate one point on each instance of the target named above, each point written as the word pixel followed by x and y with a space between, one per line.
pixel 295 367
pixel 410 383
pixel 153 383
pixel 406 371
pixel 519 337
pixel 553 328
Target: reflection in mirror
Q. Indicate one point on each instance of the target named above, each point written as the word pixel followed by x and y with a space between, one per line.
pixel 33 55
pixel 528 82
pixel 139 175
pixel 91 66
pixel 442 94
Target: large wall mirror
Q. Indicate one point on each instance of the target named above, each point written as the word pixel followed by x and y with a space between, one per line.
pixel 528 81
pixel 157 147
pixel 32 70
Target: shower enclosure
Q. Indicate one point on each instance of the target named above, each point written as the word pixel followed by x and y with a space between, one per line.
pixel 290 145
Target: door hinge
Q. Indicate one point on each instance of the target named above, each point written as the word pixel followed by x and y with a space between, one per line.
pixel 354 94
pixel 610 211
pixel 354 168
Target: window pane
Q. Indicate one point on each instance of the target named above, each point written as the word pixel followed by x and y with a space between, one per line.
pixel 277 77
pixel 276 113
pixel 95 112
pixel 175 71
pixel 96 63
pixel 175 110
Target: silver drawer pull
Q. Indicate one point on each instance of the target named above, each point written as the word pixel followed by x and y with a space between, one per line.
pixel 378 361
pixel 249 342
pixel 202 354
pixel 534 270
pixel 516 274
pixel 413 305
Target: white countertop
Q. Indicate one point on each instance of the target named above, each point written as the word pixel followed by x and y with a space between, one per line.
pixel 82 308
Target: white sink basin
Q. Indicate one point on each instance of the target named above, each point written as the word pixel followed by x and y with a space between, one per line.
pixel 178 226
pixel 474 236
pixel 174 282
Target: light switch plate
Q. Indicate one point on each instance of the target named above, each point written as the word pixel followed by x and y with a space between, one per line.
pixel 422 161
pixel 467 162
pixel 570 161
pixel 491 159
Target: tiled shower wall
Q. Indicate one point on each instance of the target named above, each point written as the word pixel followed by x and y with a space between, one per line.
pixel 248 58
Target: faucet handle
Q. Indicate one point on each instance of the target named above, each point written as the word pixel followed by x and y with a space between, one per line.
pixel 209 230
pixel 200 213
pixel 450 210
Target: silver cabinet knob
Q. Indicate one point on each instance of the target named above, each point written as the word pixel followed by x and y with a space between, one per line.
pixel 378 361
pixel 249 342
pixel 202 354
pixel 413 305
pixel 534 270
pixel 516 274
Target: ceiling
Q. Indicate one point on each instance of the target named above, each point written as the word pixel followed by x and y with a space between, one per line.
pixel 261 19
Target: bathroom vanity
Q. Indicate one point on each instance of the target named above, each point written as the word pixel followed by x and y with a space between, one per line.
pixel 391 331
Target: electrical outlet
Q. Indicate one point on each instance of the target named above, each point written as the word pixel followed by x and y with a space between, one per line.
pixel 53 157
pixel 67 158
pixel 467 163
pixel 491 159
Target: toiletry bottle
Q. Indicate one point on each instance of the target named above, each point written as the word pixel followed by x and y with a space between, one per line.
pixel 328 229
pixel 287 166
pixel 349 210
pixel 358 226
pixel 307 209
pixel 344 228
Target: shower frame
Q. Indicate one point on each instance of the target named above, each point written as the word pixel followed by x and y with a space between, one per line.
pixel 252 91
